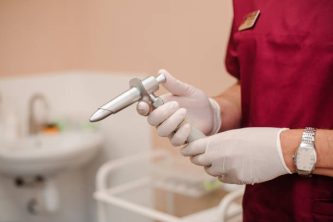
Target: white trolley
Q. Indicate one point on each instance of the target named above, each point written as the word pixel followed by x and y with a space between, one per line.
pixel 150 175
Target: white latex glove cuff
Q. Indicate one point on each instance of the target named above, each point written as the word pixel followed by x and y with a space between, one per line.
pixel 279 150
pixel 217 121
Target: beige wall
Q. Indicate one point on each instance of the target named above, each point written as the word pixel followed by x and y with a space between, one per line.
pixel 187 37
pixel 38 36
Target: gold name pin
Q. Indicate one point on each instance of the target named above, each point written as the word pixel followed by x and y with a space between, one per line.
pixel 249 20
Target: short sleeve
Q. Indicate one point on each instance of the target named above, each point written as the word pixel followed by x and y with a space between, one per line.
pixel 231 58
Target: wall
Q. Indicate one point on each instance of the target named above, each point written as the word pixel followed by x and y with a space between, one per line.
pixel 186 37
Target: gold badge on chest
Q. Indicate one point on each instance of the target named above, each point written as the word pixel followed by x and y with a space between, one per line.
pixel 249 20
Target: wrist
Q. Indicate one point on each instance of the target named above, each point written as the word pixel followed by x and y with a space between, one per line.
pixel 290 140
pixel 230 112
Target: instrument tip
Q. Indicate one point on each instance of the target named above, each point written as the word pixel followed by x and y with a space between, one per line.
pixel 99 115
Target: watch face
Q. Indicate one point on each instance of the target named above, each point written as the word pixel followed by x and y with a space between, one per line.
pixel 306 159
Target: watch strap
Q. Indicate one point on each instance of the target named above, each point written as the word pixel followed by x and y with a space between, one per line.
pixel 308 135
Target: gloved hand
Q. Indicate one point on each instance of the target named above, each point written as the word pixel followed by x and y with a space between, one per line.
pixel 241 156
pixel 183 101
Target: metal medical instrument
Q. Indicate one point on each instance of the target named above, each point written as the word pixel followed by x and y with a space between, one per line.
pixel 139 90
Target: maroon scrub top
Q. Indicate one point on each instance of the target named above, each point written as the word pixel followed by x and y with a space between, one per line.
pixel 285 67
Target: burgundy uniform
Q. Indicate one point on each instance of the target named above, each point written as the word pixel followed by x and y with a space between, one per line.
pixel 285 67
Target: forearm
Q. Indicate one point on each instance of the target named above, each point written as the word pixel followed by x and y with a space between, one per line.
pixel 230 103
pixel 290 140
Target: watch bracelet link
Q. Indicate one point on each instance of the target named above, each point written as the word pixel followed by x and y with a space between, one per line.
pixel 304 173
pixel 308 135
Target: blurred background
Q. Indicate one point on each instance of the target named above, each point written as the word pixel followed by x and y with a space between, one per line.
pixel 60 60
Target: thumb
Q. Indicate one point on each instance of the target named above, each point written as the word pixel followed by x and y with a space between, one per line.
pixel 175 86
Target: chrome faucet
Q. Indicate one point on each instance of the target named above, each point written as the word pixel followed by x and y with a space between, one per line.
pixel 34 125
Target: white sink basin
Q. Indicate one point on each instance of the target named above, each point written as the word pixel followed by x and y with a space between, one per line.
pixel 48 154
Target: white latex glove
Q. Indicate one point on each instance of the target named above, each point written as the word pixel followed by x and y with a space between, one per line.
pixel 183 101
pixel 241 156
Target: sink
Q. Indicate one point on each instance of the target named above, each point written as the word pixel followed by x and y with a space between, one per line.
pixel 47 154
